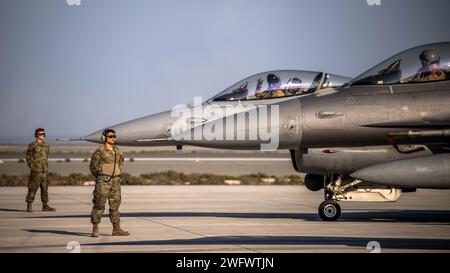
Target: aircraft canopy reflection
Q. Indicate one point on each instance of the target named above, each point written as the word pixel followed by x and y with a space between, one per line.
pixel 279 83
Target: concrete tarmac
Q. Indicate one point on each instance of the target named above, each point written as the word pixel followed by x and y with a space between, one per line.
pixel 225 219
pixel 279 166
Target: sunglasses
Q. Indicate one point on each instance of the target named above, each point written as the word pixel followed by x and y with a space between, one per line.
pixel 111 136
pixel 41 134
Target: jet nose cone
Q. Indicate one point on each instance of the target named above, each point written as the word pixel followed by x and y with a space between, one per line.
pixel 94 137
pixel 151 130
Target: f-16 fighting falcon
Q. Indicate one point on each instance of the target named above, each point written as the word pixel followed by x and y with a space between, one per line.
pixel 384 133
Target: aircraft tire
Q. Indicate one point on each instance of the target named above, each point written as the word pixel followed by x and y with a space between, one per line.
pixel 329 210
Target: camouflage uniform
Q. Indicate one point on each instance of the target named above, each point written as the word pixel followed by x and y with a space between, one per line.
pixel 37 160
pixel 106 188
pixel 435 75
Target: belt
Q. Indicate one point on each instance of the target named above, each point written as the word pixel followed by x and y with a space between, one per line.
pixel 104 175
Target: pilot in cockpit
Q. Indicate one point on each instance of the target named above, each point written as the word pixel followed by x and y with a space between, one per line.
pixel 293 87
pixel 430 70
pixel 274 89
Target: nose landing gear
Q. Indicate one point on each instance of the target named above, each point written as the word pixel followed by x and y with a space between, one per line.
pixel 334 190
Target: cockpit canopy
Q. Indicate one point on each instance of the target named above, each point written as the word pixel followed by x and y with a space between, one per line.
pixel 279 83
pixel 419 64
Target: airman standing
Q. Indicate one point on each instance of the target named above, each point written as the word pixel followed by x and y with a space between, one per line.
pixel 37 160
pixel 106 165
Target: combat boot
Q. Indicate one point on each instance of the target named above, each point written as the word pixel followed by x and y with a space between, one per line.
pixel 117 231
pixel 95 230
pixel 29 207
pixel 46 207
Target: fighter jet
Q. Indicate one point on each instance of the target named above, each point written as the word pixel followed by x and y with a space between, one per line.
pixel 265 88
pixel 384 133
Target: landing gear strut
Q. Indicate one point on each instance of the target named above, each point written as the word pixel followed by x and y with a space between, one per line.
pixel 334 190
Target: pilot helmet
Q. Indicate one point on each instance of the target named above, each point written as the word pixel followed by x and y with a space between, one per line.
pixel 274 81
pixel 429 57
pixel 294 82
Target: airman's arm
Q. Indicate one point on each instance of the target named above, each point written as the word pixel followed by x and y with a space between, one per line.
pixel 29 154
pixel 258 92
pixel 121 160
pixel 94 166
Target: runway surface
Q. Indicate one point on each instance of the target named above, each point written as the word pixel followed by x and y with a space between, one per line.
pixel 225 219
pixel 230 163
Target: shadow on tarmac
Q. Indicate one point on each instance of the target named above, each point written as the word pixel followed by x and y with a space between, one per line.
pixel 59 232
pixel 12 210
pixel 417 216
pixel 399 243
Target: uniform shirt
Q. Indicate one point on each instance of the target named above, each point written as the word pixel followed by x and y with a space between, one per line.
pixel 435 75
pixel 37 156
pixel 270 93
pixel 102 156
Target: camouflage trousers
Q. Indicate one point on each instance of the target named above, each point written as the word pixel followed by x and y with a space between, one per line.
pixel 37 180
pixel 106 191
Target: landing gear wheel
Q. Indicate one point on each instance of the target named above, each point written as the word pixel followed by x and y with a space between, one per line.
pixel 329 210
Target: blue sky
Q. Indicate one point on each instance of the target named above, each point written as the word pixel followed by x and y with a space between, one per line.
pixel 76 69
